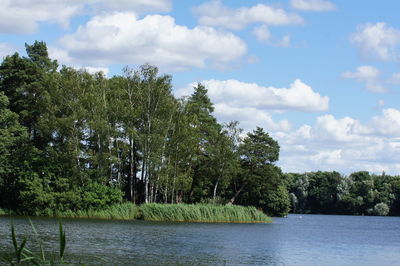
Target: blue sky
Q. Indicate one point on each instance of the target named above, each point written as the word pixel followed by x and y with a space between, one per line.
pixel 322 77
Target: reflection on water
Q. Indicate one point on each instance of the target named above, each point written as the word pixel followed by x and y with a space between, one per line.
pixel 305 240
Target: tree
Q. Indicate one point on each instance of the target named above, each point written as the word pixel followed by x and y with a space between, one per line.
pixel 323 191
pixel 26 81
pixel 12 135
pixel 205 132
pixel 257 150
pixel 261 182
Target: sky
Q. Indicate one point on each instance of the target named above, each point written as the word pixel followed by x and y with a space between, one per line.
pixel 321 77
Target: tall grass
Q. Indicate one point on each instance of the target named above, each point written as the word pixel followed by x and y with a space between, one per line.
pixel 168 212
pixel 20 255
pixel 202 213
pixel 124 211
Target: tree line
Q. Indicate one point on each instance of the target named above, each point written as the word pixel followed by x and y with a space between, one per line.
pixel 71 140
pixel 360 193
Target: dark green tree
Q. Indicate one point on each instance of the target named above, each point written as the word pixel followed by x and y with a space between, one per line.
pixel 260 180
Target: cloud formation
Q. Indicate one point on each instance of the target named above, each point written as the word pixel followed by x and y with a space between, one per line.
pixel 125 39
pixel 214 13
pixel 377 41
pixel 6 49
pixel 299 96
pixel 24 16
pixel 344 145
pixel 263 35
pixel 251 103
pixel 312 5
pixel 395 79
pixel 369 75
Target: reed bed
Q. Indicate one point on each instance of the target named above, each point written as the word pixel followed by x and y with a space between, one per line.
pixel 202 213
pixel 123 211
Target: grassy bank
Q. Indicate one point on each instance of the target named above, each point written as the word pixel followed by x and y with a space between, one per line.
pixel 124 211
pixel 202 213
pixel 169 213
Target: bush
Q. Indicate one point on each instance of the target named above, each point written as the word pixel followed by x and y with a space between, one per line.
pixel 277 202
pixel 98 196
pixel 380 209
pixel 48 194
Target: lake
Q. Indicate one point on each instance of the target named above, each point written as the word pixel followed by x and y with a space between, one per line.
pixel 296 240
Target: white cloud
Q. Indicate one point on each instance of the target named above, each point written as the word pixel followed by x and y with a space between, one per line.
pixel 24 16
pixel 250 117
pixel 345 145
pixel 377 41
pixel 93 70
pixel 263 35
pixel 313 5
pixel 341 130
pixel 369 75
pixel 155 39
pixel 285 41
pixel 6 49
pixel 299 96
pixel 332 157
pixel 388 124
pixel 395 79
pixel 64 59
pixel 214 13
pixel 251 104
pixel 137 6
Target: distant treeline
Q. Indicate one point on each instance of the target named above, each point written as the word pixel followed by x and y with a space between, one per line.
pixel 331 193
pixel 71 140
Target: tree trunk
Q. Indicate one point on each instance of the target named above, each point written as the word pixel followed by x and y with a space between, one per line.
pixel 232 200
pixel 215 190
pixel 131 174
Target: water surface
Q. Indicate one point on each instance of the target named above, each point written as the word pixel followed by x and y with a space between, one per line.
pixel 296 240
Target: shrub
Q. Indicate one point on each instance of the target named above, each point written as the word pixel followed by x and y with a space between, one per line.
pixel 380 209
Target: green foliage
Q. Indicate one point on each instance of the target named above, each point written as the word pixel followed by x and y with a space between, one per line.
pixel 380 209
pixel 331 193
pixel 260 183
pixel 277 202
pixel 259 149
pixel 42 195
pixel 97 196
pixel 323 191
pixel 202 213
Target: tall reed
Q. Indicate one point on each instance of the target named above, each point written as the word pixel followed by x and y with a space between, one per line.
pixel 20 255
pixel 123 211
pixel 202 213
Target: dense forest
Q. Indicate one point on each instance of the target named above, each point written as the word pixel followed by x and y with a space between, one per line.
pixel 331 193
pixel 71 140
